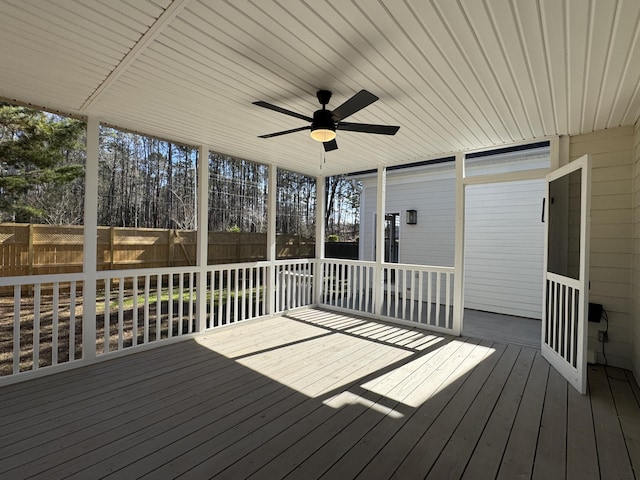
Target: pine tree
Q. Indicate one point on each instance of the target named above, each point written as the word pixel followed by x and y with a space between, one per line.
pixel 34 156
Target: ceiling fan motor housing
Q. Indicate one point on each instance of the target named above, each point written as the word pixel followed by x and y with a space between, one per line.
pixel 322 119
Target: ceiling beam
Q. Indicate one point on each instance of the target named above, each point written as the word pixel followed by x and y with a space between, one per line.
pixel 150 35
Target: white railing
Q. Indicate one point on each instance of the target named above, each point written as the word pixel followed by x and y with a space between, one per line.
pixel 348 284
pixel 419 294
pixel 136 307
pixel 293 284
pixel 236 292
pixel 422 295
pixel 41 323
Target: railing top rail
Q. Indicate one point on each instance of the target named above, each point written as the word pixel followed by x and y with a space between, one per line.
pixel 41 279
pixel 349 262
pixel 425 268
pixel 232 266
pixel 405 266
pixel 141 272
pixel 296 261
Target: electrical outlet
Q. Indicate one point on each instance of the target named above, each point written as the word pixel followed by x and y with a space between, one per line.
pixel 603 336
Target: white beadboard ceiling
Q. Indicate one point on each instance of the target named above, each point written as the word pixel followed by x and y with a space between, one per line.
pixel 455 75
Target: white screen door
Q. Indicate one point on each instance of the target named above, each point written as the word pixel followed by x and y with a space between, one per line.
pixel 566 286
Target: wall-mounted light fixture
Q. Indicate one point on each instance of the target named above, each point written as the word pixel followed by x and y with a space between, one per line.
pixel 412 217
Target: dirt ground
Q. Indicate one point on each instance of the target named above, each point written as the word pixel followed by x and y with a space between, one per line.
pixel 46 320
pixel 166 318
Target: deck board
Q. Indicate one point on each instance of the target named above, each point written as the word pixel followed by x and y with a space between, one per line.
pixel 550 461
pixel 582 454
pixel 321 395
pixel 519 455
pixel 486 456
pixel 613 455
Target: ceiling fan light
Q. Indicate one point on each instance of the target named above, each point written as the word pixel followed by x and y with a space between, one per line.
pixel 323 134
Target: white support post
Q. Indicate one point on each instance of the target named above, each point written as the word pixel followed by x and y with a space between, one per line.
pixel 271 238
pixel 458 276
pixel 380 208
pixel 321 194
pixel 90 247
pixel 202 239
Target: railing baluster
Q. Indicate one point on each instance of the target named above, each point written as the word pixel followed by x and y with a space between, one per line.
pixel 438 298
pixel 250 300
pixel 36 326
pixel 295 285
pixel 325 282
pixel 395 289
pixel 235 295
pixel 220 292
pixel 54 323
pixel 191 295
pixel 16 327
pixel 290 285
pixel 402 277
pixel 243 292
pixel 107 314
pixel 121 313
pixel 72 321
pixel 420 285
pixel 411 294
pixel 146 310
pixel 367 286
pixel 135 311
pixel 158 307
pixel 350 285
pixel 211 292
pixel 429 297
pixel 228 297
pixel 448 301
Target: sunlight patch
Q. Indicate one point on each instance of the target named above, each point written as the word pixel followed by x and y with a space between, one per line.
pixel 349 399
pixel 417 381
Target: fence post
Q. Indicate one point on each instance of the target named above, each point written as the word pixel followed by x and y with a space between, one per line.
pixel 30 253
pixel 112 244
pixel 171 235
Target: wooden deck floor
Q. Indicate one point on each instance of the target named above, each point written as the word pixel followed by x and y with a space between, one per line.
pixel 322 395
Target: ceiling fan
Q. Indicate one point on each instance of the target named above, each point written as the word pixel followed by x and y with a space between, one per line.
pixel 325 122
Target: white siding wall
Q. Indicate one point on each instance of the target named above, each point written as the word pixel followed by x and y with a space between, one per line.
pixel 431 240
pixel 635 292
pixel 611 256
pixel 504 248
pixel 504 241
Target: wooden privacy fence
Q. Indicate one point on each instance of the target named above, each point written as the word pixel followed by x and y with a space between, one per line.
pixel 28 249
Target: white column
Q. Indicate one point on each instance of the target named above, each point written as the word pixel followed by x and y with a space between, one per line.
pixel 380 209
pixel 321 194
pixel 271 237
pixel 458 275
pixel 202 239
pixel 90 247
